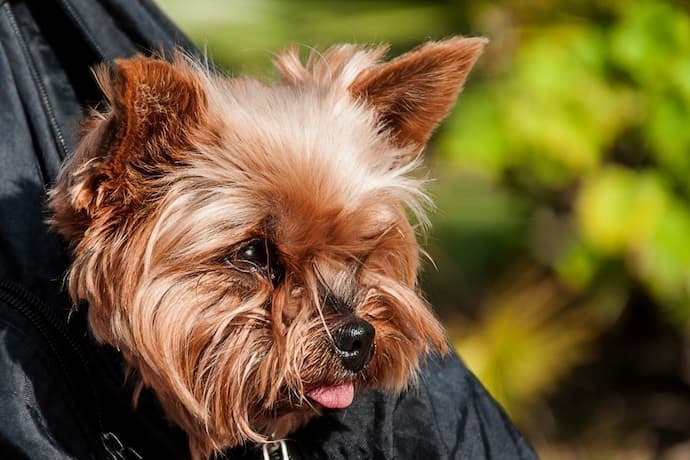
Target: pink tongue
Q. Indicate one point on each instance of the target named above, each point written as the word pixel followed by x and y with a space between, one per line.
pixel 335 397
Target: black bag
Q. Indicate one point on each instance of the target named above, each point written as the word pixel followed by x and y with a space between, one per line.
pixel 63 396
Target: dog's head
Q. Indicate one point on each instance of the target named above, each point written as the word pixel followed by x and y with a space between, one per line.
pixel 247 245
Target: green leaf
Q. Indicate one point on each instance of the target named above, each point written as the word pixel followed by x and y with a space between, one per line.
pixel 618 209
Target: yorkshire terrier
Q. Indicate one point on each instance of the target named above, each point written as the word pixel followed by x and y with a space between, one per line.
pixel 250 248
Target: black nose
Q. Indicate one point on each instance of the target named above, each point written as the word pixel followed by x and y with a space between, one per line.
pixel 354 342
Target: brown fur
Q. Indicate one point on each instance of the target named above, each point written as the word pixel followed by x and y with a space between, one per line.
pixel 185 167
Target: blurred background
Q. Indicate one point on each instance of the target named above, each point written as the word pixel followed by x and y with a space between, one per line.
pixel 561 236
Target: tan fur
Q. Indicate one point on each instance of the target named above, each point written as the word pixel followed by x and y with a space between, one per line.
pixel 185 166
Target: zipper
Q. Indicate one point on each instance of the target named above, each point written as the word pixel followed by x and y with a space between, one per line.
pixel 69 9
pixel 19 298
pixel 49 326
pixel 275 451
pixel 43 94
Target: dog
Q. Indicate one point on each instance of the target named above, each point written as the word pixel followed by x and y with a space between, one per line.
pixel 251 247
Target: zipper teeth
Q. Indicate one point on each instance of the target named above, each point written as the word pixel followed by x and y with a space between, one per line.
pixel 86 33
pixel 17 297
pixel 52 119
pixel 13 294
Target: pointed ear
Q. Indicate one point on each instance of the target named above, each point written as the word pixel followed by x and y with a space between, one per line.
pixel 153 106
pixel 152 101
pixel 414 92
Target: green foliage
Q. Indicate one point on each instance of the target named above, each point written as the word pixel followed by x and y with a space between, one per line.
pixel 529 336
pixel 579 107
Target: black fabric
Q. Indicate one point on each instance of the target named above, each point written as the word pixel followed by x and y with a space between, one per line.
pixel 61 395
pixel 448 416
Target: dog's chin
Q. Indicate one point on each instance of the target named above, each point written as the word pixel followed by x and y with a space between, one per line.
pixel 285 424
pixel 289 416
pixel 318 397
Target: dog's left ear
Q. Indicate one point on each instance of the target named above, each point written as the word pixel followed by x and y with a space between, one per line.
pixel 414 92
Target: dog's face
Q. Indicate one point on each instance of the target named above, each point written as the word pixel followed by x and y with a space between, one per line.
pixel 246 246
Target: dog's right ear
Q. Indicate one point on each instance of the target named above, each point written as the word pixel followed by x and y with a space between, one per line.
pixel 153 106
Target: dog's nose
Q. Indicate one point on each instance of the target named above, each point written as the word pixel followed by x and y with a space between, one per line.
pixel 354 342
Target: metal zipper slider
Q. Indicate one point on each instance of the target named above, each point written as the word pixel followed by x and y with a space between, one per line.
pixel 276 450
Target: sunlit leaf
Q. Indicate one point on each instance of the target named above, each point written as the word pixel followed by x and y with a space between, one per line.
pixel 529 336
pixel 664 263
pixel 618 210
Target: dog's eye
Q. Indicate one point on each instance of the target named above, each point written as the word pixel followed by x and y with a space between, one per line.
pixel 254 253
pixel 259 255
